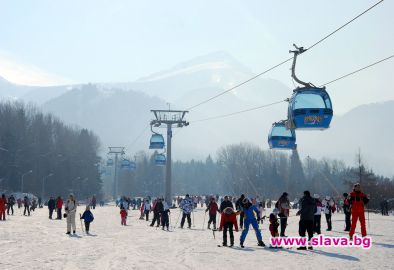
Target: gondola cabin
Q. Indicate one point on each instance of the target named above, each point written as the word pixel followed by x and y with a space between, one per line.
pixel 156 141
pixel 160 160
pixel 281 138
pixel 309 108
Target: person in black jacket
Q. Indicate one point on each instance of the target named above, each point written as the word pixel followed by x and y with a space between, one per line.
pixel 226 203
pixel 51 206
pixel 158 208
pixel 306 213
pixel 347 211
pixel 239 206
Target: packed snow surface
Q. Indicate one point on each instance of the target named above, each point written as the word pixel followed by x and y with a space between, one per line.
pixel 36 242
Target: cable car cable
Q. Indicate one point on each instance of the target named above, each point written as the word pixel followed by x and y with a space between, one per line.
pixel 286 60
pixel 267 105
pixel 358 70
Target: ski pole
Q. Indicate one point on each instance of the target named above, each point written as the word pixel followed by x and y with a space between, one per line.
pixel 81 222
pixel 203 223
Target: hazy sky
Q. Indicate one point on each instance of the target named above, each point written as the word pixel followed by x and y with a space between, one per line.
pixel 50 42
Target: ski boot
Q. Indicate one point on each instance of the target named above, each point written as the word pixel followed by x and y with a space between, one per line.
pixel 241 243
pixel 261 243
pixel 224 244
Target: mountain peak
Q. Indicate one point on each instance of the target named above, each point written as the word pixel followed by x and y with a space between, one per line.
pixel 219 60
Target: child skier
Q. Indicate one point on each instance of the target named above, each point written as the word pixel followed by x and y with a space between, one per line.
pixel 87 216
pixel 249 211
pixel 227 221
pixel 123 216
pixel 274 225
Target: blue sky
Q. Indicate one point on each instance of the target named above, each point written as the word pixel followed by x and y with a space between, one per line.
pixel 49 42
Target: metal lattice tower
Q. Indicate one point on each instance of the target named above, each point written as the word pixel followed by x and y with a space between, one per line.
pixel 170 119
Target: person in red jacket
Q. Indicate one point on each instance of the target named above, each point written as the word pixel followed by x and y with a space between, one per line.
pixel 227 221
pixel 59 205
pixel 123 215
pixel 3 202
pixel 213 208
pixel 357 201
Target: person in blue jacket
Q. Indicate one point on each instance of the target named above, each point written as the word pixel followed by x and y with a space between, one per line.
pixel 251 217
pixel 87 217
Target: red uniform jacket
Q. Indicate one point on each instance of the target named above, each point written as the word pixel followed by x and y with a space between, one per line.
pixel 227 219
pixel 358 200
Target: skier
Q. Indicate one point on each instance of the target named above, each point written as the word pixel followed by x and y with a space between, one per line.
pixel 357 201
pixel 71 208
pixel 187 207
pixel 212 208
pixel 147 209
pixel 346 211
pixel 317 217
pixel 123 216
pixel 227 221
pixel 306 213
pixel 26 204
pixel 59 206
pixel 88 218
pixel 239 206
pixel 226 203
pixel 51 206
pixel 157 210
pixel 330 208
pixel 283 205
pixel 165 219
pixel 94 202
pixel 250 211
pixel 3 203
pixel 10 205
pixel 274 225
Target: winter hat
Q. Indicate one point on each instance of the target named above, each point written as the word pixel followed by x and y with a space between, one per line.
pixel 187 196
pixel 345 194
pixel 307 193
pixel 316 196
pixel 284 194
pixel 328 198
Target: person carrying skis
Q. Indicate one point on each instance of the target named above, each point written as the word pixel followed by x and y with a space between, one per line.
pixel 212 208
pixel 306 213
pixel 123 216
pixel 186 206
pixel 250 211
pixel 165 219
pixel 347 211
pixel 358 200
pixel 228 219
pixel 88 218
pixel 283 205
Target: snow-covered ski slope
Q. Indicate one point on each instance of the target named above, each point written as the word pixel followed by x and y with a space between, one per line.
pixel 36 242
